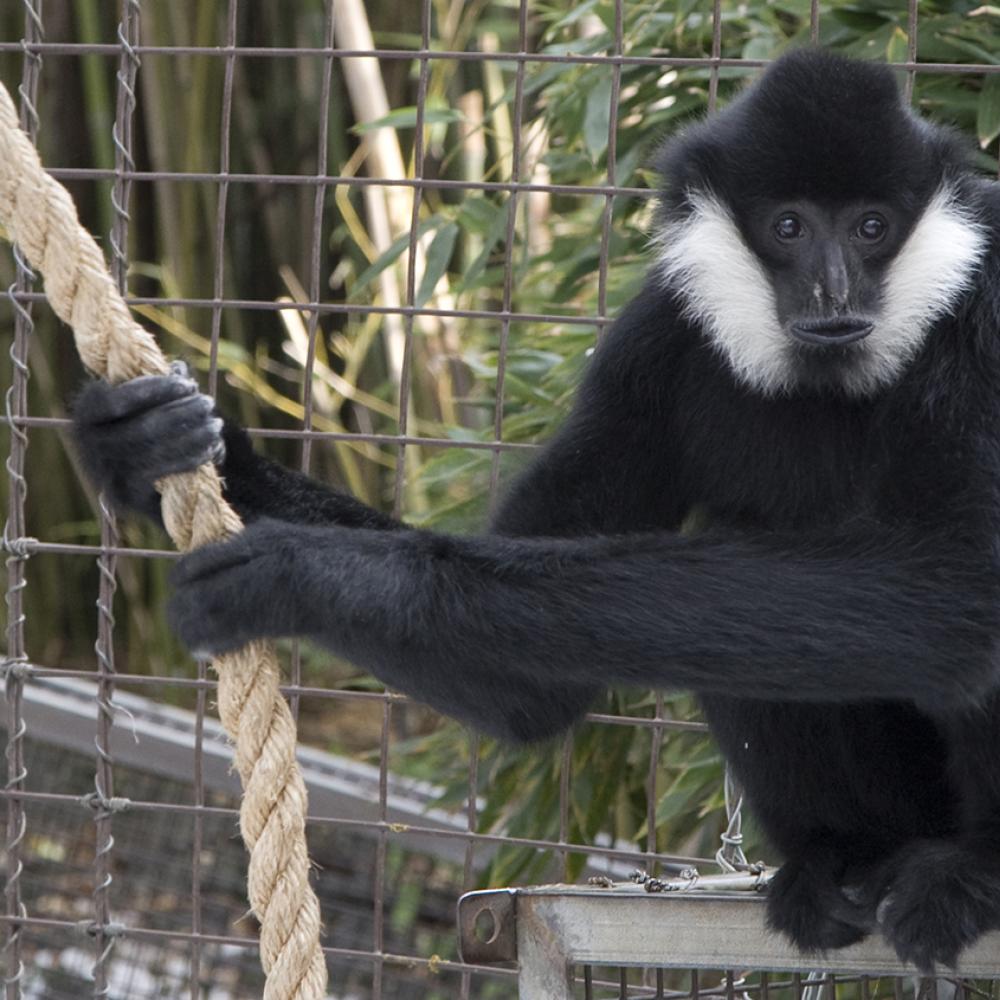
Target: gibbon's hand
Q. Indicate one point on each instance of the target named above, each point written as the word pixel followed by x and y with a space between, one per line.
pixel 246 588
pixel 133 434
pixel 414 608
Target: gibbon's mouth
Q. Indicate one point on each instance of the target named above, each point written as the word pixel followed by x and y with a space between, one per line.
pixel 833 332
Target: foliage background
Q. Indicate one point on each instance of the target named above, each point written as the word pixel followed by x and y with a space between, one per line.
pixel 556 267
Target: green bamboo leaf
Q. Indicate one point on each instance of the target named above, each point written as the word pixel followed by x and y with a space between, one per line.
pixel 898 49
pixel 407 118
pixel 858 20
pixel 477 215
pixel 389 257
pixel 988 111
pixel 496 232
pixel 578 12
pixel 438 257
pixel 597 118
pixel 973 52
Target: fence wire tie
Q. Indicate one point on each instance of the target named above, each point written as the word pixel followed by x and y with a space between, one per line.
pixel 736 984
pixel 94 928
pixel 652 884
pixel 730 856
pixel 18 548
pixel 12 668
pixel 113 709
pixel 104 806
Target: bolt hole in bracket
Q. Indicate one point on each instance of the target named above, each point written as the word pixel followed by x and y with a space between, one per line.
pixel 487 926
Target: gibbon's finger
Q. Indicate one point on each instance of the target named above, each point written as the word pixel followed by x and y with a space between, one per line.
pixel 100 402
pixel 201 447
pixel 259 540
pixel 240 601
pixel 158 426
pixel 175 437
pixel 205 627
pixel 210 560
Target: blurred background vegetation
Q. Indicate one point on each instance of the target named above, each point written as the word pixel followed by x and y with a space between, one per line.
pixel 553 244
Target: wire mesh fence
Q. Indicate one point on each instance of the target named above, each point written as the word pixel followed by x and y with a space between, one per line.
pixel 386 237
pixel 610 984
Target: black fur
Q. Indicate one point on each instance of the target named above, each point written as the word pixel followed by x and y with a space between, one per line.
pixel 839 619
pixel 850 141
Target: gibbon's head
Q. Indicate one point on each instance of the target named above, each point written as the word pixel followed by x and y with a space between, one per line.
pixel 815 229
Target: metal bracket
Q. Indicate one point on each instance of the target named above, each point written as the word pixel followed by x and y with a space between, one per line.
pixel 487 926
pixel 551 928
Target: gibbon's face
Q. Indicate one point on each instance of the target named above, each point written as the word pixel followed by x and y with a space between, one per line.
pixel 797 294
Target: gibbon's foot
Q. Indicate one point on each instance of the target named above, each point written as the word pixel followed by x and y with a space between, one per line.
pixel 944 895
pixel 807 903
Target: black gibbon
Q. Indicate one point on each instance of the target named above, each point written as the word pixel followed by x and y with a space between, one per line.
pixel 814 363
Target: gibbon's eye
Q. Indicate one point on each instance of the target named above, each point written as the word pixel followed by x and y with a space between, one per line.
pixel 871 228
pixel 788 227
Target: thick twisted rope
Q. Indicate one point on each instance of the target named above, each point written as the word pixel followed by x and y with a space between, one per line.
pixel 40 217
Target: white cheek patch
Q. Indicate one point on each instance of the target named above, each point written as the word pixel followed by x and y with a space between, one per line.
pixel 725 289
pixel 936 265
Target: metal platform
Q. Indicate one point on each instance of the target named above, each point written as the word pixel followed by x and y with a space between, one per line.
pixel 551 928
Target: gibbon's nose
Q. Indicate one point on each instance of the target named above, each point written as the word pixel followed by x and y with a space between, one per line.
pixel 836 287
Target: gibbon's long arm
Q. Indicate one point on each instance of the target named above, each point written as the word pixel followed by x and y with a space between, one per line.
pixel 257 487
pixel 606 472
pixel 576 490
pixel 582 586
pixel 474 625
pixel 133 434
